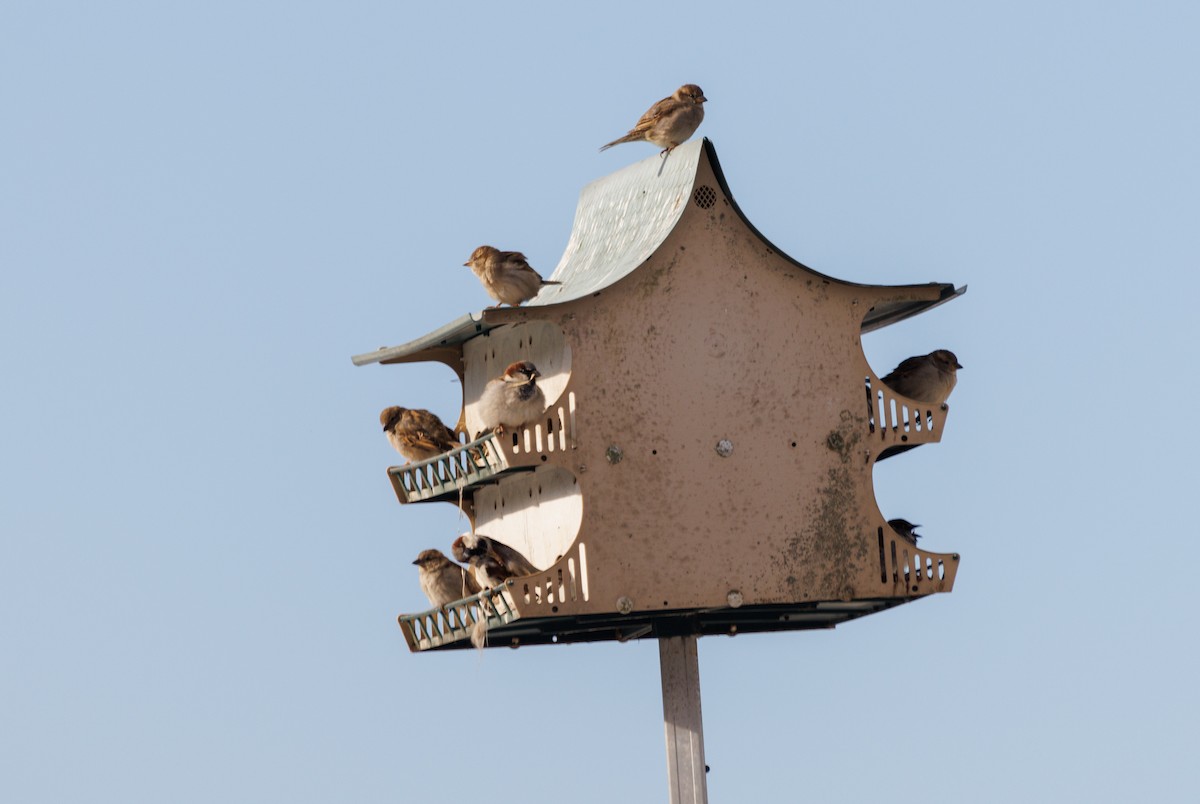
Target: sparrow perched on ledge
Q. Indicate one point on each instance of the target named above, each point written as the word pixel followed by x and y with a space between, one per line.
pixel 669 122
pixel 512 399
pixel 906 530
pixel 506 276
pixel 442 580
pixel 927 378
pixel 417 434
pixel 491 561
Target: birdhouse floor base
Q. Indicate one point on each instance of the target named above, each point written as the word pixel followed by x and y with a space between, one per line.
pixel 506 629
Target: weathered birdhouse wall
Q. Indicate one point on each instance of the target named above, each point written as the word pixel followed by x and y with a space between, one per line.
pixel 712 426
pixel 716 338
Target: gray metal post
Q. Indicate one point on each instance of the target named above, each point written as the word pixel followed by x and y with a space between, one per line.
pixel 682 720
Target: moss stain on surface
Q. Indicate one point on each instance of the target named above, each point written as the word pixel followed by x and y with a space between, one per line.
pixel 829 536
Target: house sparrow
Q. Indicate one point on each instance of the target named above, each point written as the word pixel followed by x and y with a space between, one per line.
pixel 417 434
pixel 506 276
pixel 442 580
pixel 906 530
pixel 512 399
pixel 927 378
pixel 669 122
pixel 491 561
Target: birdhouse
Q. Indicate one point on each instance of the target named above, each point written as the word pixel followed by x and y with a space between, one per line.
pixel 704 465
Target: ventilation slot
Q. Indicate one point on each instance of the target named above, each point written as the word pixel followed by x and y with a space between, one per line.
pixel 548 435
pixel 564 583
pixel 882 559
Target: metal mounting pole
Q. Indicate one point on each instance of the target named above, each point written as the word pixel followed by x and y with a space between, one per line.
pixel 682 720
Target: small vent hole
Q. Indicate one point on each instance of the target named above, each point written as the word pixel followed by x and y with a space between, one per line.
pixel 705 196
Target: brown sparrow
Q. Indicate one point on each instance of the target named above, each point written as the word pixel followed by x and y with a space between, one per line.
pixel 927 378
pixel 906 530
pixel 669 122
pixel 505 275
pixel 417 434
pixel 512 399
pixel 442 580
pixel 492 562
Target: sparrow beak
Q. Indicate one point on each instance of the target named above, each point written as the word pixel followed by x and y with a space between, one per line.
pixel 957 365
pixel 417 562
pixel 466 265
pixel 701 99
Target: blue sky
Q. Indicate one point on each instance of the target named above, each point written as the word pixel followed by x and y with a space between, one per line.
pixel 206 209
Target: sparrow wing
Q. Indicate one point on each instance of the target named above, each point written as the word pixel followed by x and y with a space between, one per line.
pixel 513 561
pixel 515 262
pixel 493 568
pixel 428 427
pixel 652 115
pixel 419 444
pixel 905 368
pixel 646 123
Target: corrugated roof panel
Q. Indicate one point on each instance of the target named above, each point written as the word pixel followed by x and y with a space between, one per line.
pixel 621 220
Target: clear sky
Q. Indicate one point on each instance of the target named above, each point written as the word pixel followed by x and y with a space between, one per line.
pixel 206 208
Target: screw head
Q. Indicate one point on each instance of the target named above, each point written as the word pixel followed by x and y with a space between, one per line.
pixel 735 598
pixel 614 454
pixel 624 604
pixel 724 447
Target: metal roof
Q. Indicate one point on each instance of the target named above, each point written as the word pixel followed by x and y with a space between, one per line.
pixel 449 335
pixel 620 221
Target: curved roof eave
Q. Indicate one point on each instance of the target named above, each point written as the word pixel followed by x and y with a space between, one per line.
pixel 620 221
pixel 882 314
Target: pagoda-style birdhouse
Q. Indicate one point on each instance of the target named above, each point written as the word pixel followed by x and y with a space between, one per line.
pixel 704 465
